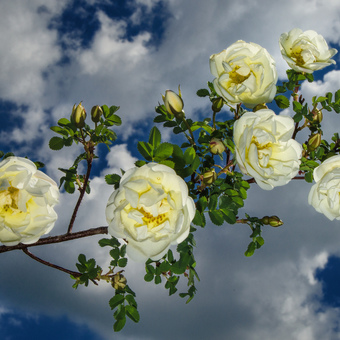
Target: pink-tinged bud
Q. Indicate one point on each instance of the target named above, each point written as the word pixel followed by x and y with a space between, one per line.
pixel 209 177
pixel 78 116
pixel 96 113
pixel 216 146
pixel 174 104
pixel 217 104
pixel 318 116
pixel 273 221
pixel 314 141
pixel 119 281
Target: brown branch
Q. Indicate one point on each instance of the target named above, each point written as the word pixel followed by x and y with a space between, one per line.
pixel 57 239
pixel 36 258
pixel 82 191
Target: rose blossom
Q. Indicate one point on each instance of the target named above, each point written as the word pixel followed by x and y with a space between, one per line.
pixel 324 195
pixel 305 51
pixel 151 210
pixel 27 198
pixel 244 73
pixel 264 148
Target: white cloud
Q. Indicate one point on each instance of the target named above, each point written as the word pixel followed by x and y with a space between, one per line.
pixel 273 295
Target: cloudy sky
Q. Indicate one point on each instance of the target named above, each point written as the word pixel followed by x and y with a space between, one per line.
pixel 54 53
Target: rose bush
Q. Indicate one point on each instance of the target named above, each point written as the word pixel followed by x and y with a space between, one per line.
pixel 27 198
pixel 324 195
pixel 151 210
pixel 305 51
pixel 244 73
pixel 264 148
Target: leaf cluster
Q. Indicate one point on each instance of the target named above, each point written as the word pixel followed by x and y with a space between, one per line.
pixel 170 269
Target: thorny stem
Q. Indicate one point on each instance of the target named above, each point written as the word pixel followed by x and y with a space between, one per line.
pixel 57 239
pixel 214 120
pixel 89 150
pixel 49 264
pixel 192 141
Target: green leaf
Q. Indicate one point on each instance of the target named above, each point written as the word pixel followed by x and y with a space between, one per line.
pixel 297 107
pixel 116 300
pixel 228 215
pixel 163 151
pixel 213 202
pixel 189 155
pixel 216 217
pixel 337 97
pixel 281 101
pixel 260 240
pixel 309 177
pixel 132 313
pixel 112 179
pixel 158 279
pixel 82 258
pixel 63 122
pixel 145 150
pixel 122 262
pixel 199 219
pixel 69 187
pixel 203 93
pixel 56 143
pixel 251 249
pixel 119 324
pixel 59 130
pixel 131 300
pixel 155 137
pixel 148 277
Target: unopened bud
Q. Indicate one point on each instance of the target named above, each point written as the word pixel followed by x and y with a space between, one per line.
pixel 174 104
pixel 78 116
pixel 209 177
pixel 216 146
pixel 119 281
pixel 96 113
pixel 314 141
pixel 318 116
pixel 260 107
pixel 217 104
pixel 273 221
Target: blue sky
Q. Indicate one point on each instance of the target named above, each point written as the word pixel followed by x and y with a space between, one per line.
pixel 55 53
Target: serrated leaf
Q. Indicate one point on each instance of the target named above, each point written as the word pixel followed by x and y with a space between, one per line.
pixel 163 151
pixel 145 150
pixel 56 143
pixel 112 179
pixel 155 137
pixel 309 177
pixel 228 215
pixel 189 155
pixel 216 217
pixel 203 93
pixel 199 219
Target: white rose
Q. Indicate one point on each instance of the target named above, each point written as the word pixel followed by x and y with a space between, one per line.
pixel 151 210
pixel 27 198
pixel 244 73
pixel 305 51
pixel 324 196
pixel 264 148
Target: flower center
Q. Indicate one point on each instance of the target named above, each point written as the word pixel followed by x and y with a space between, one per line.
pixel 239 74
pixel 263 151
pixel 153 221
pixel 9 200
